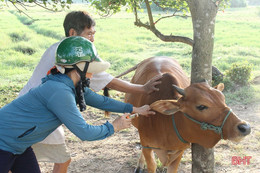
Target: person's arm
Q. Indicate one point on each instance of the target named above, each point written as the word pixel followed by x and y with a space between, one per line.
pixel 46 63
pixel 127 87
pixel 63 106
pixel 105 103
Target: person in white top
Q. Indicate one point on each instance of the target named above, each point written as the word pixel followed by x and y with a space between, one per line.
pixel 53 148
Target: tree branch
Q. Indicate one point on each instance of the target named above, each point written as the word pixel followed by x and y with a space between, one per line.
pixel 158 5
pixel 20 11
pixel 107 14
pixel 135 11
pixel 168 17
pixel 151 27
pixel 166 38
pixel 141 24
pixel 21 4
pixel 6 3
pixel 149 11
pixel 40 5
pixel 24 5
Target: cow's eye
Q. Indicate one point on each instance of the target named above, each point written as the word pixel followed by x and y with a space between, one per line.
pixel 202 107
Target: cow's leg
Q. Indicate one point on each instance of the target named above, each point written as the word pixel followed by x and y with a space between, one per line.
pixel 148 157
pixel 163 156
pixel 141 164
pixel 171 159
pixel 175 161
pixel 150 161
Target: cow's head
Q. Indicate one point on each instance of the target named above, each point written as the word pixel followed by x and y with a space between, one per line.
pixel 208 117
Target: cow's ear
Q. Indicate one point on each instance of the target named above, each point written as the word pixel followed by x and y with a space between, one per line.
pixel 167 107
pixel 219 87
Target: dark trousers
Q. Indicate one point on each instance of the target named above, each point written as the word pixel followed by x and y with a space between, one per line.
pixel 19 163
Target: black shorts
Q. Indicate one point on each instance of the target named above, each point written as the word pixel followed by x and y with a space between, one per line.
pixel 19 163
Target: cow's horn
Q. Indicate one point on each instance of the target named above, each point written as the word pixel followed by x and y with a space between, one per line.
pixel 179 90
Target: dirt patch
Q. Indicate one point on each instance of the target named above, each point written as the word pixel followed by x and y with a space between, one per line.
pixel 256 80
pixel 119 153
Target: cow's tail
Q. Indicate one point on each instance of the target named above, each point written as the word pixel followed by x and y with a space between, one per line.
pixel 106 93
pixel 106 90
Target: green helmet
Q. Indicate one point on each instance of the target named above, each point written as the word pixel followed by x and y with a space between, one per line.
pixel 77 49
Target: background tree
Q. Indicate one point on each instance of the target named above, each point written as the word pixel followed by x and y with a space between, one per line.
pixel 203 14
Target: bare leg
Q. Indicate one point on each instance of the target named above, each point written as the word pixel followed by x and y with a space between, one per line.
pixel 61 167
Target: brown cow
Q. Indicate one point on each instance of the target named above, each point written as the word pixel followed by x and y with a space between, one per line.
pixel 197 114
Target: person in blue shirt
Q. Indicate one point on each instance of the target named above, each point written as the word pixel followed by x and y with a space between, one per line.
pixel 33 116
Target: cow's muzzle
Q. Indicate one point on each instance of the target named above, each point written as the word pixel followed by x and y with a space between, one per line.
pixel 244 129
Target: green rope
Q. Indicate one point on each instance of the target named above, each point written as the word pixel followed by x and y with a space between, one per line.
pixel 176 130
pixel 151 147
pixel 203 126
pixel 206 126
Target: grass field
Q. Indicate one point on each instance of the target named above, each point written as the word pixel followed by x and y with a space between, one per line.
pixel 124 45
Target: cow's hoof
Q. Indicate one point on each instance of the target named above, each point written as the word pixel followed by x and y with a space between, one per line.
pixel 139 170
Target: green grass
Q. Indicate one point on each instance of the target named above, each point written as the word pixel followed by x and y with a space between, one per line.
pixel 236 38
pixel 118 41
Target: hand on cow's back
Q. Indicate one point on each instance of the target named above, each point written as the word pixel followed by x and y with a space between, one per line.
pixel 144 110
pixel 152 84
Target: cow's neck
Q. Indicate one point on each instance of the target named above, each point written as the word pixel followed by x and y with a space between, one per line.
pixel 192 132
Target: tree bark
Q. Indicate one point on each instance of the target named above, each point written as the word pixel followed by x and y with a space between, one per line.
pixel 203 14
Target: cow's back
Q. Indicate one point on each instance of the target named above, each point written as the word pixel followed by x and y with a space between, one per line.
pixel 150 67
pixel 156 128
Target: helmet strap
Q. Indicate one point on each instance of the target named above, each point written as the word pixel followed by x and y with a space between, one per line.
pixel 82 73
pixel 84 82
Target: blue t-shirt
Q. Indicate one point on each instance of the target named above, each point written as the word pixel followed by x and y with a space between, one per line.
pixel 32 117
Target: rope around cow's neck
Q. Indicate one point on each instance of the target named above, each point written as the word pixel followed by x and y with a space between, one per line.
pixel 203 126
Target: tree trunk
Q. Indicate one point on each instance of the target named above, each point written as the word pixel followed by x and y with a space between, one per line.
pixel 203 14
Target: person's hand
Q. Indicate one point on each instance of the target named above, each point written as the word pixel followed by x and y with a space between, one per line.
pixel 149 86
pixel 121 123
pixel 144 110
